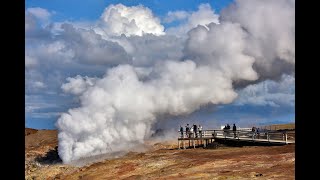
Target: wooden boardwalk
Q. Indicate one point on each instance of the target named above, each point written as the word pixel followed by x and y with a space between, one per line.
pixel 209 136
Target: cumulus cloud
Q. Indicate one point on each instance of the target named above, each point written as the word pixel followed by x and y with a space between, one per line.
pixel 149 49
pixel 88 47
pixel 204 16
pixel 60 50
pixel 39 84
pixel 30 22
pixel 33 26
pixel 221 47
pixel 175 15
pixel 39 13
pixel 135 20
pixel 271 26
pixel 35 82
pixel 269 92
pixel 77 85
pixel 75 46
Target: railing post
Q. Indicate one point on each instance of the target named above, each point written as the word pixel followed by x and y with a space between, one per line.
pixel 193 143
pixel 286 138
pixel 238 135
pixel 268 137
pixel 184 146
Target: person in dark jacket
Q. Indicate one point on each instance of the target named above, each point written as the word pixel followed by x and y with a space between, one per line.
pixel 181 131
pixel 234 128
pixel 258 133
pixel 228 129
pixel 195 130
pixel 187 130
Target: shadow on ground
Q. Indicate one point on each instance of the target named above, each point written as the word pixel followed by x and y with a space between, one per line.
pixel 51 157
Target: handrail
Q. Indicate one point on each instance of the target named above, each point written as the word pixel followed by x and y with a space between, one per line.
pixel 267 135
pixel 227 130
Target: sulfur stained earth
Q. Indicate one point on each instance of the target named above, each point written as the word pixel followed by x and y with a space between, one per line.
pixel 162 160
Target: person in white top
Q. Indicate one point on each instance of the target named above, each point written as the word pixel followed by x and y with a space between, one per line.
pixel 200 130
pixel 191 132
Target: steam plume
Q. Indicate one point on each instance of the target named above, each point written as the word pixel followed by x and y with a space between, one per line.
pixel 120 108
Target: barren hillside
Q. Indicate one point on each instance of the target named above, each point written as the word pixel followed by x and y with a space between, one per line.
pixel 163 161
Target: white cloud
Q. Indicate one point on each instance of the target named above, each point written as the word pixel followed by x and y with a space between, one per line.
pixel 39 84
pixel 271 26
pixel 77 85
pixel 45 115
pixel 222 48
pixel 149 49
pixel 30 22
pixel 34 103
pixel 135 20
pixel 39 13
pixel 77 46
pixel 30 61
pixel 204 16
pixel 269 92
pixel 176 15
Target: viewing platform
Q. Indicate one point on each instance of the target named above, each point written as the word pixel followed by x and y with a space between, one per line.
pixel 265 137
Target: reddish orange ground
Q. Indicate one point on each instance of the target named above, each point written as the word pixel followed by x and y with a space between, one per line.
pixel 164 161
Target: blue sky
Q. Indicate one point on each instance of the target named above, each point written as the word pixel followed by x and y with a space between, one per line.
pixel 91 9
pixel 271 101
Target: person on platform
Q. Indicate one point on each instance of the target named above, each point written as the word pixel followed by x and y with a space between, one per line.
pixel 258 133
pixel 191 132
pixel 195 128
pixel 234 129
pixel 225 130
pixel 253 132
pixel 200 130
pixel 187 130
pixel 181 131
pixel 228 129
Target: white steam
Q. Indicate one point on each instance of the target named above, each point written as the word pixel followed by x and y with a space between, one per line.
pixel 271 27
pixel 118 110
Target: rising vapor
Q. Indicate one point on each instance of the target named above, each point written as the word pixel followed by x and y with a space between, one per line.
pixel 118 110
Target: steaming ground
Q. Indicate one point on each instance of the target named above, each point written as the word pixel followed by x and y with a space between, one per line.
pixel 252 40
pixel 135 147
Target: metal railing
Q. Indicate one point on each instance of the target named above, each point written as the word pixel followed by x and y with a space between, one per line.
pixel 242 134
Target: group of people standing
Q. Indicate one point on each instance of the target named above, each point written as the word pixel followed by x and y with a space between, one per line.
pixel 192 131
pixel 196 131
pixel 226 130
pixel 256 132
